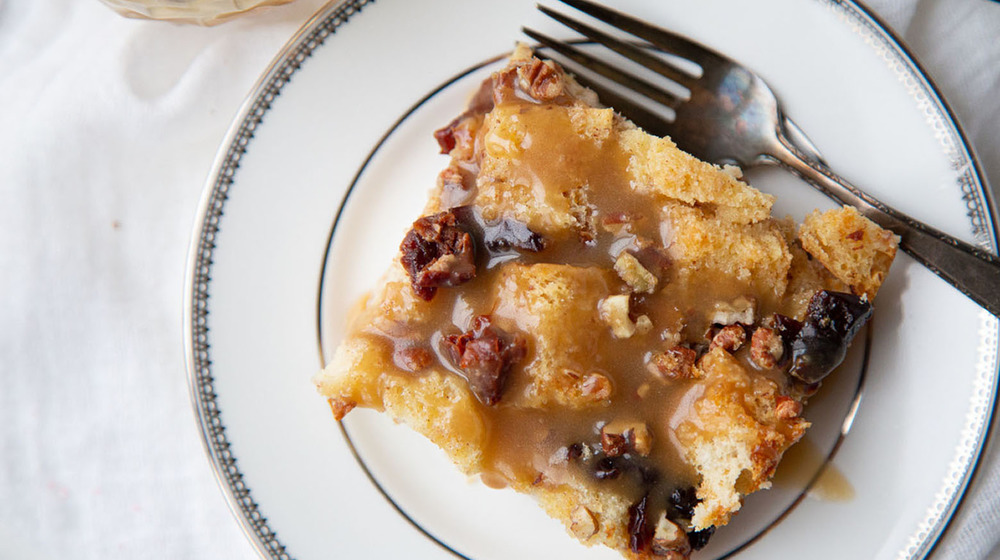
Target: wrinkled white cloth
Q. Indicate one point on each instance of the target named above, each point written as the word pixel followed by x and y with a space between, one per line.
pixel 108 128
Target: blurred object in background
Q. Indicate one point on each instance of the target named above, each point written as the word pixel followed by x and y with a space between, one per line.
pixel 204 12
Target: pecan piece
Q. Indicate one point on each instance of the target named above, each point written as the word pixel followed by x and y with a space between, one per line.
pixel 614 312
pixel 540 79
pixel 618 438
pixel 740 310
pixel 436 252
pixel 458 187
pixel 676 363
pixel 729 337
pixel 787 408
pixel 766 348
pixel 638 277
pixel 485 355
pixel 460 131
pixel 613 444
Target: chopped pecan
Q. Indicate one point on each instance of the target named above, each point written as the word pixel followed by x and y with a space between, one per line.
pixel 613 444
pixel 504 86
pixel 766 347
pixel 787 408
pixel 618 223
pixel 676 363
pixel 457 187
pixel 730 338
pixel 638 278
pixel 485 355
pixel 614 312
pixel 540 79
pixel 740 310
pixel 618 438
pixel 436 252
pixel 643 324
pixel 654 259
pixel 785 326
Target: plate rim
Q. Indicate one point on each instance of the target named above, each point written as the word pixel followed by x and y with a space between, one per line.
pixel 311 35
pixel 981 210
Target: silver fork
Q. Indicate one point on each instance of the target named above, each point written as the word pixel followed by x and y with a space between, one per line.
pixel 732 116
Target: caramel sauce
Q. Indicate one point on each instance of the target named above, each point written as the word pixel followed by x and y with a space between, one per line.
pixel 802 462
pixel 564 169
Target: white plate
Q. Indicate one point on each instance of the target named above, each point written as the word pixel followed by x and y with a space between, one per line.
pixel 331 159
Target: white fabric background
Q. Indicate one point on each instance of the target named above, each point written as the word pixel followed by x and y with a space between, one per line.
pixel 108 128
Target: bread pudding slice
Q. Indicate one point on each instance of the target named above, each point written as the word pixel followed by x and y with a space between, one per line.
pixel 586 314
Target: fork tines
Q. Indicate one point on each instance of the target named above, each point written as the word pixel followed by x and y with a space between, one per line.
pixel 652 36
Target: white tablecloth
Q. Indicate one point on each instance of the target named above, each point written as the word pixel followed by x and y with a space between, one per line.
pixel 108 128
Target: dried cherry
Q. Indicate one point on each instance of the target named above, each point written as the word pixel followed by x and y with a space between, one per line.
pixel 499 236
pixel 681 504
pixel 833 318
pixel 639 530
pixel 437 252
pixel 698 539
pixel 485 355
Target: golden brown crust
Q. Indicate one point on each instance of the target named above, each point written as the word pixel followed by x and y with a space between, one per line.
pixel 852 247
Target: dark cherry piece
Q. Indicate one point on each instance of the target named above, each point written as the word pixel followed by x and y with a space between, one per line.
pixel 698 539
pixel 639 530
pixel 437 252
pixel 821 345
pixel 682 502
pixel 485 355
pixel 499 236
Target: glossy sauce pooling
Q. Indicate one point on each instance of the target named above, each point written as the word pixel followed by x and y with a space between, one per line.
pixel 535 191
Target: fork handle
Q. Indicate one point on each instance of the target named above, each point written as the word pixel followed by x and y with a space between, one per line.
pixel 975 272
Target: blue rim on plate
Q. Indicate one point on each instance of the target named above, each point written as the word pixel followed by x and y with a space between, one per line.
pixel 981 212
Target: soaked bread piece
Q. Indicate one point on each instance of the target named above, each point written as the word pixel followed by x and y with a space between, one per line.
pixel 589 315
pixel 853 248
